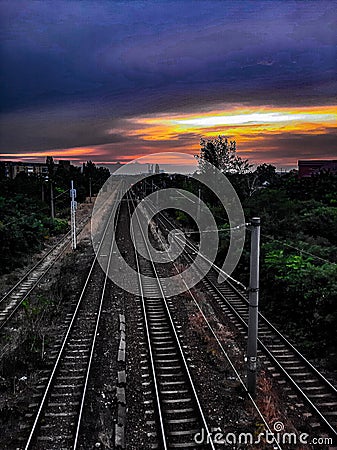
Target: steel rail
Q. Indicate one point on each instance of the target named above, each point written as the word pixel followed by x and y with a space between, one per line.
pixel 264 347
pixel 63 247
pixel 79 419
pixel 64 342
pixel 147 328
pixel 276 443
pixel 22 279
pixel 261 316
pixel 288 343
pixel 276 362
pixel 266 321
pixel 181 352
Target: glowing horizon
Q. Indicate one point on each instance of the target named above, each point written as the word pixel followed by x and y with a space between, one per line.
pixel 302 119
pixel 257 131
pixel 155 85
pixel 255 118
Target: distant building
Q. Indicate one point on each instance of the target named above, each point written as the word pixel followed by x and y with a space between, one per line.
pixel 13 168
pixel 309 167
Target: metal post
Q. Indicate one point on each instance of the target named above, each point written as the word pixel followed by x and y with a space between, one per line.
pixel 73 205
pixel 52 206
pixel 199 206
pixel 90 189
pixel 253 306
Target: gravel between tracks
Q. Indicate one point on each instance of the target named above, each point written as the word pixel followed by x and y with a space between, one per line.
pixel 26 343
pixel 225 404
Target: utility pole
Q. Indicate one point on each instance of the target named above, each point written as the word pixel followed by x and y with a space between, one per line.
pixel 51 166
pixel 52 206
pixel 73 205
pixel 199 205
pixel 253 305
pixel 90 189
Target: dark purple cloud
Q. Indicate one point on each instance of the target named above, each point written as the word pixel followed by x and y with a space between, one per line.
pixel 72 69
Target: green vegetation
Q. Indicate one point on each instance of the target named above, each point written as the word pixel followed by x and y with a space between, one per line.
pixel 299 257
pixel 298 245
pixel 25 216
pixel 34 309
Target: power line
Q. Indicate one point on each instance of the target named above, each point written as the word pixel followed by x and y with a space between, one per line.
pixel 73 206
pixel 25 217
pixel 45 208
pixel 217 268
pixel 192 246
pixel 62 193
pixel 299 249
pixel 221 230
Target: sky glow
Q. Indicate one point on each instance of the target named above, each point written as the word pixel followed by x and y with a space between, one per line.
pixel 111 81
pixel 255 118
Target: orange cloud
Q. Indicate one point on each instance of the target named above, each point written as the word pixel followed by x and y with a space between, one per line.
pixel 245 125
pixel 72 153
pixel 260 132
pixel 263 134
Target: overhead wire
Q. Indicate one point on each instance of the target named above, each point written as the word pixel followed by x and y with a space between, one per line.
pixel 298 249
pixel 47 207
pixel 221 230
pixel 217 268
pixel 238 376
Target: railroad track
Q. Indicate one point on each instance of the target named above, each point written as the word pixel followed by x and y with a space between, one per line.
pixel 282 359
pixel 57 420
pixel 12 300
pixel 179 415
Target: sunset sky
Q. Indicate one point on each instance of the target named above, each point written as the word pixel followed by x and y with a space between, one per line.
pixel 112 80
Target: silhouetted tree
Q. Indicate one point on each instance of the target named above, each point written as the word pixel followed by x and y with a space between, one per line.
pixel 221 153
